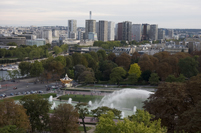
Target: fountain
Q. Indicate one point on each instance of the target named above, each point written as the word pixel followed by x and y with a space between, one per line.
pixel 111 105
pixel 122 115
pixel 125 98
pixel 70 101
pixel 53 105
pixel 134 109
pixel 90 103
pixel 50 99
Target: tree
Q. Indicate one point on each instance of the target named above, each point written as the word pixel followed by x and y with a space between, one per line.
pixel 24 68
pixel 64 119
pixel 61 59
pixel 171 78
pixel 83 111
pixel 77 58
pixel 188 67
pixel 132 78
pixel 111 56
pixel 154 79
pixel 101 55
pixel 57 50
pixel 140 123
pixel 135 69
pixel 135 57
pixel 78 70
pixel 37 109
pixel 123 60
pixel 12 113
pixel 2 53
pixel 64 47
pixel 146 75
pixel 11 129
pixel 36 68
pixel 87 76
pixel 117 74
pixel 104 110
pixel 12 44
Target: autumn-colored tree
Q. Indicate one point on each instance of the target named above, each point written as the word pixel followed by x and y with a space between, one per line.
pixel 37 109
pixel 64 119
pixel 123 60
pixel 135 57
pixel 163 70
pixel 117 74
pixel 12 113
pixel 111 56
pixel 148 62
pixel 135 69
pixel 11 129
pixel 56 68
pixel 161 55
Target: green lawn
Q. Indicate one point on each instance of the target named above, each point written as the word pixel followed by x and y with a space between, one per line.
pixel 43 95
pixel 81 98
pixel 81 128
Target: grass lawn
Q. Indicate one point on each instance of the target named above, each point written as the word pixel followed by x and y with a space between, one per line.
pixel 81 98
pixel 43 95
pixel 81 128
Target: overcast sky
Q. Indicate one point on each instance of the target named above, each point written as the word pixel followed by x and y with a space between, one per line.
pixel 165 13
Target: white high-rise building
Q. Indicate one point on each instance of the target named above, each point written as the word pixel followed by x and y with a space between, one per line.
pixel 136 32
pixel 72 28
pixel 111 31
pixel 47 34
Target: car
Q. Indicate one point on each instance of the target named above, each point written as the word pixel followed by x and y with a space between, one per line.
pixel 18 93
pixel 40 91
pixel 2 95
pixel 12 80
pixel 24 93
pixel 33 92
pixel 11 94
pixel 28 92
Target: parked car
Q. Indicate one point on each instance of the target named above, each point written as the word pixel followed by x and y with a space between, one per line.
pixel 11 94
pixel 28 92
pixel 18 93
pixel 2 95
pixel 40 91
pixel 24 93
pixel 33 92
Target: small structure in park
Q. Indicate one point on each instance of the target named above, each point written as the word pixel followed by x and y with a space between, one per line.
pixel 66 81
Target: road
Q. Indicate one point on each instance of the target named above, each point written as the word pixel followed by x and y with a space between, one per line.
pixel 7 87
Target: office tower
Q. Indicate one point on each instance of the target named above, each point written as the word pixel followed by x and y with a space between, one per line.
pixel 97 28
pixel 124 31
pixel 103 30
pixel 136 32
pixel 90 26
pixel 80 35
pixel 170 33
pixel 116 31
pixel 47 34
pixel 55 33
pixel 161 34
pixel 111 31
pixel 72 28
pixel 153 33
pixel 145 31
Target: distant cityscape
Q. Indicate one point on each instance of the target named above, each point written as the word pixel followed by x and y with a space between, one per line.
pixel 188 40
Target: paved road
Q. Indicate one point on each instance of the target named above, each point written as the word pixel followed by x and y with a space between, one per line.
pixel 7 87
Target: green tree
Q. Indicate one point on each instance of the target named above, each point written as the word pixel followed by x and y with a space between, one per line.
pixel 37 109
pixel 24 68
pixel 117 74
pixel 2 53
pixel 181 78
pixel 57 50
pixel 12 113
pixel 140 123
pixel 133 78
pixel 64 47
pixel 61 59
pixel 154 79
pixel 12 44
pixel 11 129
pixel 83 111
pixel 77 58
pixel 188 67
pixel 36 68
pixel 135 69
pixel 146 75
pixel 64 119
pixel 171 78
pixel 101 55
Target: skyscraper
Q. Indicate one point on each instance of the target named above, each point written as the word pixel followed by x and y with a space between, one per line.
pixel 145 31
pixel 136 32
pixel 111 31
pixel 90 26
pixel 124 31
pixel 161 34
pixel 153 33
pixel 72 28
pixel 103 30
pixel 170 33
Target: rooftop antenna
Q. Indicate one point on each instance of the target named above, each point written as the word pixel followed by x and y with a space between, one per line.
pixel 90 15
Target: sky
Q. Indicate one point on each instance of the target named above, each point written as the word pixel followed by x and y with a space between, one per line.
pixel 165 13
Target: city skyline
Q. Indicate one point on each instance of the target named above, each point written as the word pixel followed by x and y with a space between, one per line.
pixel 167 13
